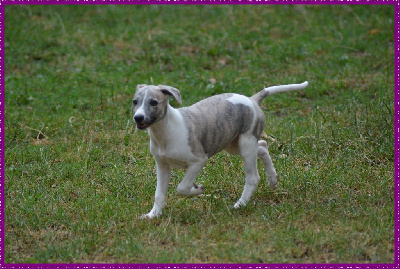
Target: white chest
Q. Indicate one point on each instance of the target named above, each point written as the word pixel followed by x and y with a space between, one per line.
pixel 169 142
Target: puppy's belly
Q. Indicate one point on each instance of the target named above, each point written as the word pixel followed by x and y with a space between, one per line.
pixel 178 159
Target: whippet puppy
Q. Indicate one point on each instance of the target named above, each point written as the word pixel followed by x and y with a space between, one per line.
pixel 187 137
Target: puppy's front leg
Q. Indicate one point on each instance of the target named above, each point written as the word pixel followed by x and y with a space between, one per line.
pixel 163 178
pixel 187 186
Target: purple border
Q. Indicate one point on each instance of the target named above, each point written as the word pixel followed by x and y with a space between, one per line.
pixel 397 131
pixel 396 4
pixel 200 266
pixel 202 2
pixel 2 136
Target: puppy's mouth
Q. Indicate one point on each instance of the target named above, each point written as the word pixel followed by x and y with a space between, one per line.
pixel 142 126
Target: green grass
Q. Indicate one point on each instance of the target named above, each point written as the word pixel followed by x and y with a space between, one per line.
pixel 78 176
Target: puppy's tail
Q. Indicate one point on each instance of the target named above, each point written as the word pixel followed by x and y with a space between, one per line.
pixel 258 97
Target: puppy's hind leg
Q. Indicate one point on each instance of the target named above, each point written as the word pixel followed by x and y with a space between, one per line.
pixel 248 152
pixel 263 154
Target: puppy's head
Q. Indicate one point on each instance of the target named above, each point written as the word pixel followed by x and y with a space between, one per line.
pixel 150 103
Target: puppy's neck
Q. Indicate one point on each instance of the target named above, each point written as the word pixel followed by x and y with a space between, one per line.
pixel 165 128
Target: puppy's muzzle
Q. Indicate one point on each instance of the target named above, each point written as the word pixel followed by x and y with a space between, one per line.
pixel 139 119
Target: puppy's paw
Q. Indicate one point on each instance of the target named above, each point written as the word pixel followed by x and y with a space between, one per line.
pixel 239 204
pixel 190 191
pixel 150 215
pixel 273 181
pixel 197 190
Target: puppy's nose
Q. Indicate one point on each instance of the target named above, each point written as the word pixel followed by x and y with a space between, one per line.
pixel 138 118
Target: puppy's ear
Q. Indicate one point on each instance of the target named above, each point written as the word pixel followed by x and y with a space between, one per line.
pixel 140 86
pixel 171 91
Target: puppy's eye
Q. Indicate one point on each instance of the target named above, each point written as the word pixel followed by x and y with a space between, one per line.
pixel 135 102
pixel 153 103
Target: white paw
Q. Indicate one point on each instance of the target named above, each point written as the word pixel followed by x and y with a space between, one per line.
pixel 150 215
pixel 239 204
pixel 197 190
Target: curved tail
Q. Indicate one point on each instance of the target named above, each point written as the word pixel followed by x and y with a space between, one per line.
pixel 258 97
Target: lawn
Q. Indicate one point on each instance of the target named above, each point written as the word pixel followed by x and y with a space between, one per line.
pixel 78 176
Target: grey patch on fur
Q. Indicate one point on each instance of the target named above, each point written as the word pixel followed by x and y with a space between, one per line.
pixel 258 97
pixel 260 123
pixel 214 123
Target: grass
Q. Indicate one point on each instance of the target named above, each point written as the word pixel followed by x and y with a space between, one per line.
pixel 78 176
